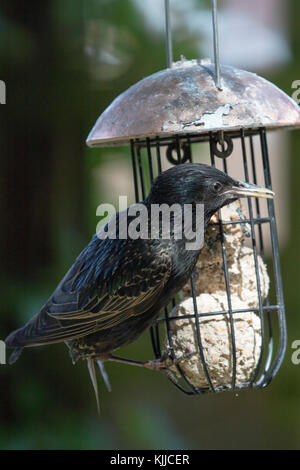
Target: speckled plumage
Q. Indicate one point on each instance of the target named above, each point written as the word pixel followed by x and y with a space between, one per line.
pixel 116 288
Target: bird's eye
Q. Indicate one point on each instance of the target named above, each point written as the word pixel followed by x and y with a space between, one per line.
pixel 217 187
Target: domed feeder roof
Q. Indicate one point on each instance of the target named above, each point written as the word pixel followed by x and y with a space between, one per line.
pixel 184 100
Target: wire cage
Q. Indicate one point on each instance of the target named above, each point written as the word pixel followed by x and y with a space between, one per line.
pixel 147 164
pixel 165 119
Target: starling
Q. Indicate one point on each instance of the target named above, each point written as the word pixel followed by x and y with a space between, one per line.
pixel 117 286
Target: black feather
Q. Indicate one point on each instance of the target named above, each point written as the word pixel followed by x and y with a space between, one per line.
pixel 116 288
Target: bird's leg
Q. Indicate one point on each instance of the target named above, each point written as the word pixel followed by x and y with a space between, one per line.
pixel 91 368
pixel 104 375
pixel 124 360
pixel 92 372
pixel 163 364
pixel 156 364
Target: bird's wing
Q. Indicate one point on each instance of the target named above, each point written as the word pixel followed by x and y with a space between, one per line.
pixel 109 283
pixel 114 304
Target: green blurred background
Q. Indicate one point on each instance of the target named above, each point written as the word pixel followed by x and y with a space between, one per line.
pixel 63 63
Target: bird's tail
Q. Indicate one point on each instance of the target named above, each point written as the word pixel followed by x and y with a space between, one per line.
pixel 15 355
pixel 12 341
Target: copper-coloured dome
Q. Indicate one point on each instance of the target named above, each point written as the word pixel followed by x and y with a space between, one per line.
pixel 184 99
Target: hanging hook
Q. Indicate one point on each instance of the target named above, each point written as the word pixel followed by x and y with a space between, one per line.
pixel 175 158
pixel 225 142
pixel 216 44
pixel 168 35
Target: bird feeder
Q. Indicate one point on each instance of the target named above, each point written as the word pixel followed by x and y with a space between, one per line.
pixel 165 119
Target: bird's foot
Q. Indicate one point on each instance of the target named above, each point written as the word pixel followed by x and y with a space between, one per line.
pixel 163 365
pixel 166 361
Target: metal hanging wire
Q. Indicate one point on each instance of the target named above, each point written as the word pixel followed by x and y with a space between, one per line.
pixel 169 49
pixel 216 44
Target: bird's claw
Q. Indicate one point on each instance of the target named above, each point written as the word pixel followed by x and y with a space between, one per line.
pixel 166 362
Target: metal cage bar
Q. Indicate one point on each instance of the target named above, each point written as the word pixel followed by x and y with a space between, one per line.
pixel 255 256
pixel 225 268
pixel 148 156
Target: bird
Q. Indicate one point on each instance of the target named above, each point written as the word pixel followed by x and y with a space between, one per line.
pixel 117 286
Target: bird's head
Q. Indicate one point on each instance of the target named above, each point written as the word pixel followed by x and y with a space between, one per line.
pixel 192 183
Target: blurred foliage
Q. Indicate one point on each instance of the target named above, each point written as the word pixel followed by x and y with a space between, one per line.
pixel 64 62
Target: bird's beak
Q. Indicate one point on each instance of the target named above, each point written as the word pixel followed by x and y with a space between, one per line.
pixel 242 189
